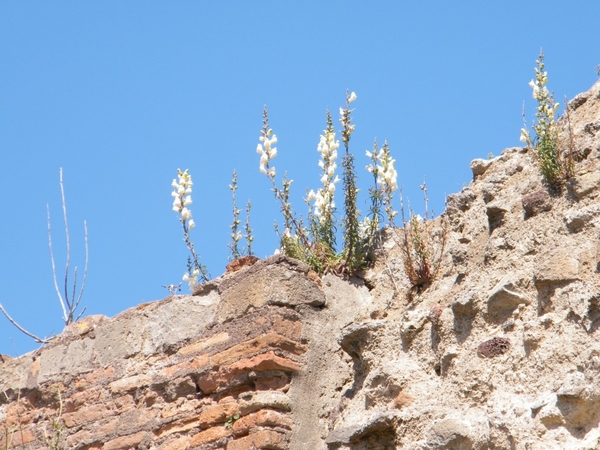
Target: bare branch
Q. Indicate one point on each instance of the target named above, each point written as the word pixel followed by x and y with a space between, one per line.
pixel 85 269
pixel 23 330
pixel 62 303
pixel 64 206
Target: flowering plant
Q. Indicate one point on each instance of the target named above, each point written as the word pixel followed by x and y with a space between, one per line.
pixel 386 180
pixel 323 203
pixel 236 235
pixel 182 193
pixel 317 244
pixel 554 167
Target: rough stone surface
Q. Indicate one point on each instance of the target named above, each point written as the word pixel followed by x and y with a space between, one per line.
pixel 501 351
pixel 583 185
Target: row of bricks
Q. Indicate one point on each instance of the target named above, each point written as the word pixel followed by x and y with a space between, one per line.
pixel 208 382
pixel 253 428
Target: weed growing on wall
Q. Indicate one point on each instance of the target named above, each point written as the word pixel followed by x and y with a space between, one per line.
pixel 248 236
pixel 554 166
pixel 423 243
pixel 236 235
pixel 55 437
pixel 182 198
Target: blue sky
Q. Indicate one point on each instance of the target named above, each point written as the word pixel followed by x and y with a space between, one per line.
pixel 121 94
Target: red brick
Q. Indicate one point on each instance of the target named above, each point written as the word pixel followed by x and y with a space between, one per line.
pixel 264 362
pixel 100 376
pixel 125 442
pixel 240 263
pixel 105 429
pixel 15 413
pixel 264 439
pixel 217 414
pixel 86 397
pixel 263 418
pixel 260 363
pixel 210 435
pixel 179 426
pixel 87 414
pixel 204 343
pixel 16 437
pixel 265 341
pixel 137 419
pixel 182 443
pixel 124 403
pixel 185 366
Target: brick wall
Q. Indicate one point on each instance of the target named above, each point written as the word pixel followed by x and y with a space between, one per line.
pixel 206 371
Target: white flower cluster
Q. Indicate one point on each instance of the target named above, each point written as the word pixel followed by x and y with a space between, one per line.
pixel 182 191
pixel 192 279
pixel 386 177
pixel 383 167
pixel 267 152
pixel 324 203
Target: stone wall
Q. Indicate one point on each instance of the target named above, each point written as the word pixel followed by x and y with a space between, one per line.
pixel 211 370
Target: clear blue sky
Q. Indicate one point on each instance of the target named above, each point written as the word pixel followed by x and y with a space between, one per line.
pixel 121 94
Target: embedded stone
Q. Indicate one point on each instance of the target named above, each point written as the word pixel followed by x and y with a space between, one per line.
pixel 584 184
pixel 556 266
pixel 479 166
pixel 240 263
pixel 576 219
pixel 536 202
pixel 494 347
pixel 449 434
pixel 505 296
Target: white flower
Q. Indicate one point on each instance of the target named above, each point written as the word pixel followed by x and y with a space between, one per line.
pixel 267 152
pixel 177 204
pixel 186 214
pixel 191 224
pixel 192 280
pixel 352 97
